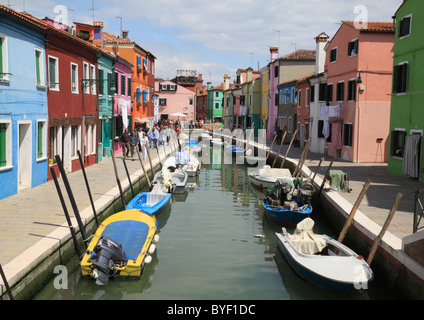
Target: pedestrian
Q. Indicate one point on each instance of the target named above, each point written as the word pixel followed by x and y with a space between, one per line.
pixel 150 137
pixel 144 143
pixel 125 141
pixel 155 137
pixel 134 140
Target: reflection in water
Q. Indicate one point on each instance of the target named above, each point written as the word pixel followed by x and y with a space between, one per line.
pixel 215 243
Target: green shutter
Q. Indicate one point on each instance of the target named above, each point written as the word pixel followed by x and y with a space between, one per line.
pixel 2 144
pixel 37 66
pixel 40 140
pixel 123 85
pixel 101 83
pixel 109 84
pixel 129 87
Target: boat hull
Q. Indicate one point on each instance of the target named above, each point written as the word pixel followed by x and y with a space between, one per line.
pixel 145 205
pixel 310 267
pixel 286 217
pixel 135 231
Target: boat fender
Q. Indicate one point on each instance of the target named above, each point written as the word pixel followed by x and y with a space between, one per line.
pixel 156 238
pixel 148 259
pixel 152 249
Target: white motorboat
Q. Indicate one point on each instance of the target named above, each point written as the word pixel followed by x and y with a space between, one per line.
pixel 267 176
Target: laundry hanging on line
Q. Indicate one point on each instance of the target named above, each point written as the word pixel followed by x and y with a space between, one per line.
pixel 326 113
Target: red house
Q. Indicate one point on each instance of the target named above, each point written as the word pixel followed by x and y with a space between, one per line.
pixel 72 100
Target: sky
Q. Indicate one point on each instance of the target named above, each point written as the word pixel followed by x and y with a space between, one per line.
pixel 214 38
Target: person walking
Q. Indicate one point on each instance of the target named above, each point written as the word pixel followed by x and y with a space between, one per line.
pixel 125 141
pixel 144 141
pixel 150 137
pixel 155 137
pixel 133 140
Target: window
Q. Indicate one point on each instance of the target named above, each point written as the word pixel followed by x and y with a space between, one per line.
pixel 116 82
pixel 5 144
pixel 276 72
pixel 164 87
pixel 347 134
pixel 74 78
pixel 290 125
pixel 400 78
pixel 293 96
pixel 329 94
pixel 397 143
pixel 352 48
pixel 320 127
pixel 340 91
pixel 322 91
pixel 93 78
pixel 405 27
pixel 111 86
pixel 41 138
pixel 39 68
pixel 86 76
pixel 74 141
pixel 312 93
pixel 53 73
pixel 190 101
pixel 90 139
pixel 55 146
pixel 333 55
pixel 216 94
pixel 123 80
pixel 275 99
pixel 351 87
pixel 216 105
pixel 307 97
pixel 3 59
pixel 173 87
pixel 129 87
pixel 299 97
pixel 162 101
pixel 101 82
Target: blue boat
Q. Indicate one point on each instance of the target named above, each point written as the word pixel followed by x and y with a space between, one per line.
pixel 149 203
pixel 235 151
pixel 288 214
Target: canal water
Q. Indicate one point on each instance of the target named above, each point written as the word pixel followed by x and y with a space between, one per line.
pixel 215 244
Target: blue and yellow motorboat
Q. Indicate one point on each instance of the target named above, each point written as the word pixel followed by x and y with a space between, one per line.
pixel 121 246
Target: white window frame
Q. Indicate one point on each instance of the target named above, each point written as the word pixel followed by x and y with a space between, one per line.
pixel 93 77
pixel 8 165
pixel 410 26
pixel 75 91
pixel 56 84
pixel 86 76
pixel 5 62
pixel 337 51
pixel 353 40
pixel 44 139
pixel 41 68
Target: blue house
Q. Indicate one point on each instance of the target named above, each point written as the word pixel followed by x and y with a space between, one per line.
pixel 23 103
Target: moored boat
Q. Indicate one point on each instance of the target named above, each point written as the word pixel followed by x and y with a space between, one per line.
pixel 323 260
pixel 149 202
pixel 267 176
pixel 121 246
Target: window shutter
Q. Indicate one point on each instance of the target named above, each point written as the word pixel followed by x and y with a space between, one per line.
pixel 138 94
pixel 2 144
pixel 101 83
pixel 144 96
pixel 37 67
pixel 404 77
pixel 395 79
pixel 138 62
pixel 40 140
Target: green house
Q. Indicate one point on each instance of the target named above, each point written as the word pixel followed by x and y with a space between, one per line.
pixel 251 91
pixel 407 105
pixel 214 103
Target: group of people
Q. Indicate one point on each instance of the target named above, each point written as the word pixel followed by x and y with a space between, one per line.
pixel 145 138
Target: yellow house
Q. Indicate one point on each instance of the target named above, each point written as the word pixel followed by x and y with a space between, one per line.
pixel 264 96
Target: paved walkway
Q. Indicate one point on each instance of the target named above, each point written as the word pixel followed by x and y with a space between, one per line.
pixel 27 217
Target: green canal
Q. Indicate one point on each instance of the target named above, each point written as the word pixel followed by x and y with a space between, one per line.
pixel 215 244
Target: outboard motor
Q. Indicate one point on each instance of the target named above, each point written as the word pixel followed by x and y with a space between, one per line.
pixel 109 256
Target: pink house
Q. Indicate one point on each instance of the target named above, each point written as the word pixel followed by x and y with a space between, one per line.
pixel 174 98
pixel 356 115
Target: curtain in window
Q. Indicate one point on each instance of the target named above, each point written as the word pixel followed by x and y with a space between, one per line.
pixel 411 155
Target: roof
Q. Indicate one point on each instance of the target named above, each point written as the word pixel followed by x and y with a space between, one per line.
pixel 300 55
pixel 34 22
pixel 111 39
pixel 219 87
pixel 374 26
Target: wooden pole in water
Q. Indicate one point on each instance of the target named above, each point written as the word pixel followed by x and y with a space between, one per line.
pixel 270 149
pixel 316 171
pixel 281 144
pixel 288 149
pixel 384 229
pixel 128 176
pixel 150 161
pixel 323 183
pixel 144 170
pixel 88 187
pixel 6 284
pixel 117 178
pixel 303 157
pixel 353 211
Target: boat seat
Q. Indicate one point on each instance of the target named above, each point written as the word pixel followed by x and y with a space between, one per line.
pixel 153 198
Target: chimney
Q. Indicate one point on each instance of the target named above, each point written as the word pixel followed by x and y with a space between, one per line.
pixel 125 34
pixel 321 42
pixel 98 27
pixel 226 82
pixel 274 53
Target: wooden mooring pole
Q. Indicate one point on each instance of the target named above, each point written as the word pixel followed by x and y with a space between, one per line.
pixel 281 144
pixel 117 178
pixel 144 170
pixel 6 284
pixel 323 183
pixel 270 149
pixel 384 229
pixel 288 149
pixel 353 211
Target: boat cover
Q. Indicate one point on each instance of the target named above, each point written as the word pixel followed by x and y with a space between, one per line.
pixel 267 171
pixel 130 234
pixel 305 240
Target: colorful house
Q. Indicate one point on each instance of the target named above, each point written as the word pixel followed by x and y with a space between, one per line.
pixel 214 106
pixel 23 103
pixel 287 102
pixel 264 96
pixel 303 109
pixel 251 91
pixel 359 66
pixel 239 109
pixel 72 99
pixel 407 99
pixel 273 93
pixel 173 99
pixel 201 102
pixel 227 104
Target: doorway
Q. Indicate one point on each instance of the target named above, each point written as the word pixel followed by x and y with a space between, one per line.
pixel 24 155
